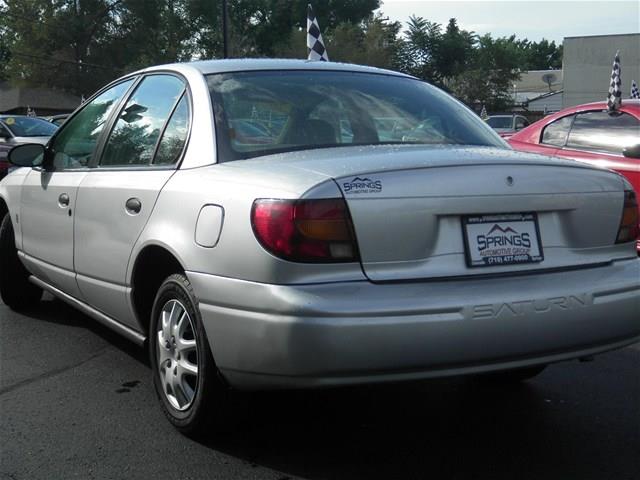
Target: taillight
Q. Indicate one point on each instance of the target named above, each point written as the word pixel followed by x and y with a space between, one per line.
pixel 318 231
pixel 629 230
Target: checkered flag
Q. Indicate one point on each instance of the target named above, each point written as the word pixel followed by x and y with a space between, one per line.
pixel 635 93
pixel 615 91
pixel 317 51
pixel 483 113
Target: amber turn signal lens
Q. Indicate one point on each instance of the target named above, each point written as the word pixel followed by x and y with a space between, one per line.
pixel 629 230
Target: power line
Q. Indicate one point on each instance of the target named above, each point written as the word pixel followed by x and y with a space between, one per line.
pixel 71 62
pixel 29 19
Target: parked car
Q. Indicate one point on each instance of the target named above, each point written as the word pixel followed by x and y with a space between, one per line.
pixel 57 119
pixel 589 134
pixel 507 125
pixel 317 259
pixel 17 129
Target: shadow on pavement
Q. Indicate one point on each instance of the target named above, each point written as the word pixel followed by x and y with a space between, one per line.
pixel 56 311
pixel 455 428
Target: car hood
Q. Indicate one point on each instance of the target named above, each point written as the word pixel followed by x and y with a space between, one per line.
pixel 40 140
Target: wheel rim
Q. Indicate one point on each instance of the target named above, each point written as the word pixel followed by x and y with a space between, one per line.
pixel 177 355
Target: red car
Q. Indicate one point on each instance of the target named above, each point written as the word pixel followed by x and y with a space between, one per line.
pixel 588 133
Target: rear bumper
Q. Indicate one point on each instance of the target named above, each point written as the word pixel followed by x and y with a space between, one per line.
pixel 276 336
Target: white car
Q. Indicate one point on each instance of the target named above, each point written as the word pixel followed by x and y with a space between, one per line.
pixel 309 250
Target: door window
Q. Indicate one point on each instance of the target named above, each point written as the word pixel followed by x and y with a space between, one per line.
pixel 133 139
pixel 556 132
pixel 4 133
pixel 604 132
pixel 75 144
pixel 175 135
pixel 521 123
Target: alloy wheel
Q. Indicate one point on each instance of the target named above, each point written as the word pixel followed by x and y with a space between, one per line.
pixel 177 355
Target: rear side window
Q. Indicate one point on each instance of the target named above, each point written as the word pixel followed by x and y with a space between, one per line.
pixel 556 132
pixel 602 132
pixel 175 135
pixel 133 139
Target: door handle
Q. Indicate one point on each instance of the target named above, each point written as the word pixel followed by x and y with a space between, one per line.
pixel 63 200
pixel 133 206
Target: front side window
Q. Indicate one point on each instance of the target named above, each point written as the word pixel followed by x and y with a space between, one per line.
pixel 258 113
pixel 604 132
pixel 133 139
pixel 74 146
pixel 556 132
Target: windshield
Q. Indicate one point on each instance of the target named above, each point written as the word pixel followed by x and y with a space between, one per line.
pixel 258 113
pixel 29 127
pixel 500 122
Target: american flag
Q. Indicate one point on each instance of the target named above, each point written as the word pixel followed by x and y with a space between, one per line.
pixel 635 93
pixel 483 113
pixel 615 91
pixel 317 50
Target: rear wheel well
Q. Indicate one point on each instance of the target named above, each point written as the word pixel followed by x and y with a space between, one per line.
pixel 3 208
pixel 153 265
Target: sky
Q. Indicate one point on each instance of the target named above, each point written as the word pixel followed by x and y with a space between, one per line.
pixel 534 20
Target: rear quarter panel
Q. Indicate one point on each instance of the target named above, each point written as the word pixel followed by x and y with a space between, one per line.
pixel 237 254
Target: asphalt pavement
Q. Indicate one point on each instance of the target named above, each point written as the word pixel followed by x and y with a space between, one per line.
pixel 76 401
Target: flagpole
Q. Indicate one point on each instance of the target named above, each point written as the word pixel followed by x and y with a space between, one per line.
pixel 225 36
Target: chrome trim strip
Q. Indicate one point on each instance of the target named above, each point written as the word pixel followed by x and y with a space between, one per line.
pixel 109 322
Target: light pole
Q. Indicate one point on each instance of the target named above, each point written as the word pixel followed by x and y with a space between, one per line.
pixel 225 39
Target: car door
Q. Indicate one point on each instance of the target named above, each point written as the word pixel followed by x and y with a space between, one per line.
pixel 49 194
pixel 598 138
pixel 117 197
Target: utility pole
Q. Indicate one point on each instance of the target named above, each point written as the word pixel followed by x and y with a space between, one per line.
pixel 225 36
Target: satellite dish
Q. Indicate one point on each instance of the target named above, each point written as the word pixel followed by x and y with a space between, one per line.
pixel 549 78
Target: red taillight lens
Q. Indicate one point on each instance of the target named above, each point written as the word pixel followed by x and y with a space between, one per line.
pixel 629 230
pixel 305 230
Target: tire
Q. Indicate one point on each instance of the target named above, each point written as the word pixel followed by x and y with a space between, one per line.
pixel 16 290
pixel 195 403
pixel 516 375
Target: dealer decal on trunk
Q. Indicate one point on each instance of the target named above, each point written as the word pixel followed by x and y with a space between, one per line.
pixel 362 185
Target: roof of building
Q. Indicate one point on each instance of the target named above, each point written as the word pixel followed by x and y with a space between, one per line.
pixel 12 98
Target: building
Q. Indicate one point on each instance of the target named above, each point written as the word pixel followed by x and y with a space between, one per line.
pixel 43 101
pixel 539 91
pixel 548 103
pixel 587 66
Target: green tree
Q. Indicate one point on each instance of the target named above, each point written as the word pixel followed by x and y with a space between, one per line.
pixel 373 42
pixel 454 52
pixel 79 45
pixel 489 78
pixel 418 54
pixel 543 55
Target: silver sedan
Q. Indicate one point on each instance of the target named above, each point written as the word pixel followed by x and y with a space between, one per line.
pixel 286 224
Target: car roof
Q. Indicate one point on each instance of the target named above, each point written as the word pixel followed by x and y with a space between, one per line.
pixel 626 102
pixel 207 67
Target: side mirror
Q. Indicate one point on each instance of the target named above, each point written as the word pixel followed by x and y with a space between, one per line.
pixel 632 152
pixel 4 134
pixel 29 155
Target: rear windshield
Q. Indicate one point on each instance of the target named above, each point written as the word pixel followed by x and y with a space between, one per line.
pixel 29 127
pixel 258 113
pixel 500 122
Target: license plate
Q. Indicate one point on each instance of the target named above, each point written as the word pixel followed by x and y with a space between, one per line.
pixel 502 239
